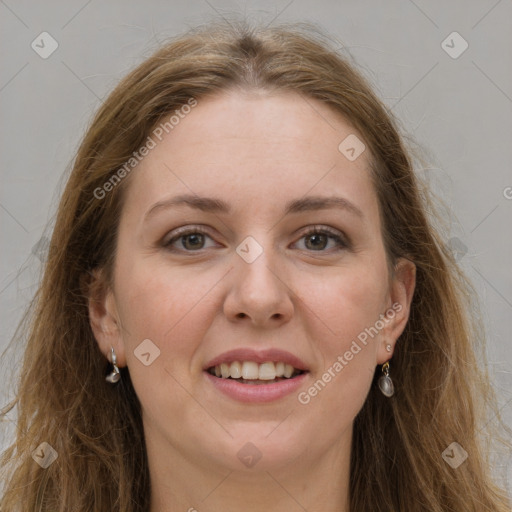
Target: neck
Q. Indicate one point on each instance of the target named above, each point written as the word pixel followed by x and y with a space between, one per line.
pixel 181 484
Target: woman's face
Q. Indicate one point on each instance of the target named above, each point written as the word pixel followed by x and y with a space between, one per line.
pixel 232 274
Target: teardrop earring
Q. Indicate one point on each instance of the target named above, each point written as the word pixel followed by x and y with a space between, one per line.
pixel 114 375
pixel 385 382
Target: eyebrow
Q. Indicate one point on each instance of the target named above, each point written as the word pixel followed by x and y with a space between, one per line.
pixel 215 205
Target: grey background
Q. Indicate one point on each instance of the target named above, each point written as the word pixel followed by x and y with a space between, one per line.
pixel 459 110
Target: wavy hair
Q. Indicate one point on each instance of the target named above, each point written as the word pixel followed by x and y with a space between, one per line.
pixel 61 396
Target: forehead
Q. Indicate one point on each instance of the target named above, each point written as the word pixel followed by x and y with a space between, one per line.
pixel 254 148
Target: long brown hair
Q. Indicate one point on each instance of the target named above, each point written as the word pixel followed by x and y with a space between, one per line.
pixel 62 397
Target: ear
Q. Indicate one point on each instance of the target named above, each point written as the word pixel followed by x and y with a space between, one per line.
pixel 104 318
pixel 402 285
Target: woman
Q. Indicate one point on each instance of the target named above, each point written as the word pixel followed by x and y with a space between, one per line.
pixel 243 244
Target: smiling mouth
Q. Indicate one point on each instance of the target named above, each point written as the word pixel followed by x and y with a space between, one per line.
pixel 250 372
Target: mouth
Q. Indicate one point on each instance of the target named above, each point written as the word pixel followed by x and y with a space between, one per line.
pixel 246 375
pixel 253 373
pixel 250 376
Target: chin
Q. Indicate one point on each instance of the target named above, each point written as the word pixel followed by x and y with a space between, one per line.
pixel 259 447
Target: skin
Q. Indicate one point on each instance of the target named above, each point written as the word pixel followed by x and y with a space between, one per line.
pixel 311 297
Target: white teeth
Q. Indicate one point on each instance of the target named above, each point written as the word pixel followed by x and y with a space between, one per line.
pixel 250 370
pixel 267 371
pixel 235 370
pixel 224 370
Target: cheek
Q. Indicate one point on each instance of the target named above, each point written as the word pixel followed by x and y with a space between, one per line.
pixel 347 333
pixel 347 302
pixel 171 307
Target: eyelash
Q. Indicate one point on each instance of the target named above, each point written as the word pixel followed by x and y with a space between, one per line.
pixel 341 241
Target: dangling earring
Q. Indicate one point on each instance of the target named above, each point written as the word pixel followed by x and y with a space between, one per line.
pixel 385 382
pixel 114 375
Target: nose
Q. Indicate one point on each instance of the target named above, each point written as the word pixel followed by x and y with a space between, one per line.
pixel 258 294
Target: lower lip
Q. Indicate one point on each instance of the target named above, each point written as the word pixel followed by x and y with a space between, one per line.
pixel 256 392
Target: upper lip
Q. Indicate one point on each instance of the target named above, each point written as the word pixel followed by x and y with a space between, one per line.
pixel 258 356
